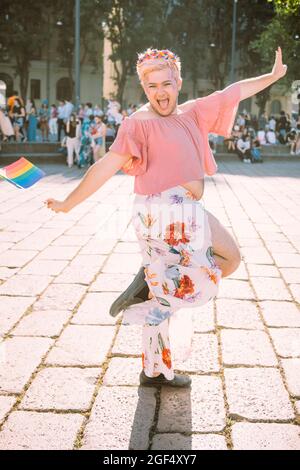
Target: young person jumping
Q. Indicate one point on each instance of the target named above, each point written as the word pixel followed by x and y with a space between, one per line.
pixel 185 249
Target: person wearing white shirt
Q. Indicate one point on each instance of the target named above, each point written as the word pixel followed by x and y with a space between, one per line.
pixel 261 135
pixel 88 110
pixel 272 124
pixel 271 137
pixel 98 111
pixel 118 118
pixel 61 119
pixel 241 121
pixel 68 110
pixel 243 147
pixel 73 132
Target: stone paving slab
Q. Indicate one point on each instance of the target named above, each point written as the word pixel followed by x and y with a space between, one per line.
pixel 204 318
pixel 262 270
pixel 94 309
pixel 270 288
pixel 12 309
pixel 61 388
pixel 16 258
pixel 175 441
pixel 286 341
pixel 129 410
pixel 82 345
pixel 123 371
pixel 6 273
pixel 123 263
pixel 295 289
pixel 257 394
pixel 252 348
pixel 58 253
pixel 22 355
pixel 69 240
pixel 240 273
pixel 44 267
pixel 6 403
pixel 290 275
pixel 233 289
pixel 97 246
pixel 42 323
pixel 77 274
pixel 111 282
pixel 60 297
pixel 128 341
pixel 25 430
pixel 233 313
pixel 75 370
pixel 25 285
pixel 280 313
pixel 198 409
pixel 265 436
pixel 204 357
pixel 291 369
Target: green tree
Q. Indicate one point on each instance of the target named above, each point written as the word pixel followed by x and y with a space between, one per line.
pixel 27 28
pixel 132 26
pixel 91 31
pixel 22 34
pixel 282 31
pixel 286 6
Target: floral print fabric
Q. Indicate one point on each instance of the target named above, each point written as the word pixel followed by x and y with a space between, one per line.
pixel 175 240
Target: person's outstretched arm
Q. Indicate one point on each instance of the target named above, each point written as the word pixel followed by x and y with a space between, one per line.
pixel 93 179
pixel 251 86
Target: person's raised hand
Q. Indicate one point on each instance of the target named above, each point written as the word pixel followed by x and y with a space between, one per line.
pixel 56 206
pixel 279 69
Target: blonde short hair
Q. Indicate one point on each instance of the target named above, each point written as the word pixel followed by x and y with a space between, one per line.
pixel 157 59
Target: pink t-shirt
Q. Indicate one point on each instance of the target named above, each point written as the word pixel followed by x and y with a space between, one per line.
pixel 174 150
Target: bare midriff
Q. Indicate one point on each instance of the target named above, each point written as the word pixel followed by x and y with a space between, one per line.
pixel 196 187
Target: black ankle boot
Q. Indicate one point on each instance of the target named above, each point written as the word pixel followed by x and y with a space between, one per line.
pixel 178 381
pixel 135 293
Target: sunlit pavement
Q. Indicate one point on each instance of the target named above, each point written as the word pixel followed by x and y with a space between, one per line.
pixel 69 372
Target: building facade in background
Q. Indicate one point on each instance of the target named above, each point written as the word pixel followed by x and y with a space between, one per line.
pixel 49 79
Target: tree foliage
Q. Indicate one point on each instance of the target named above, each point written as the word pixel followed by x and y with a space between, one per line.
pixel 286 7
pixel 131 26
pixel 22 33
pixel 199 31
pixel 282 31
pixel 29 27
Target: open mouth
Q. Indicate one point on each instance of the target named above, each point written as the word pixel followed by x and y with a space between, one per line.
pixel 163 103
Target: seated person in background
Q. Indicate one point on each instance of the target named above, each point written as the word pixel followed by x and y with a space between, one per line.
pixel 256 151
pixel 272 123
pixel 293 139
pixel 243 148
pixel 110 132
pixel 261 135
pixel 232 140
pixel 213 140
pixel 297 145
pixel 271 137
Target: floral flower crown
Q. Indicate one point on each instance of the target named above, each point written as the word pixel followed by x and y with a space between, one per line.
pixel 157 54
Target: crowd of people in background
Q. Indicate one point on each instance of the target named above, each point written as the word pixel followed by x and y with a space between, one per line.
pixel 249 134
pixel 85 134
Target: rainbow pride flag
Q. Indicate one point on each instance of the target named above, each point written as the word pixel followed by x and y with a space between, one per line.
pixel 22 173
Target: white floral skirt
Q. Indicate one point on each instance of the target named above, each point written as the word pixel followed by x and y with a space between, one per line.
pixel 175 239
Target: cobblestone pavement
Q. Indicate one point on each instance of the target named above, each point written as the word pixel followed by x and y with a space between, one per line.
pixel 69 372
